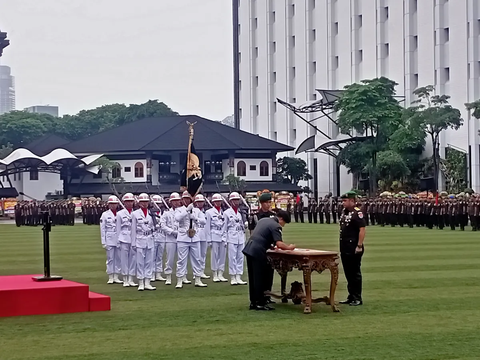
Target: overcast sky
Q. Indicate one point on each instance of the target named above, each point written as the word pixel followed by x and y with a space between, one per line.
pixel 80 54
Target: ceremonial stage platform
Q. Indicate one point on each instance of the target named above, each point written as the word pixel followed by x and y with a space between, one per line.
pixel 21 295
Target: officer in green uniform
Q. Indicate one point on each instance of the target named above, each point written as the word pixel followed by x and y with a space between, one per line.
pixel 267 234
pixel 352 235
pixel 265 212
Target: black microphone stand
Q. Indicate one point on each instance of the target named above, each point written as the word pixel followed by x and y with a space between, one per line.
pixel 47 227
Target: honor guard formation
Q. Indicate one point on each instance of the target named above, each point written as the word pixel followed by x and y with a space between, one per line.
pixel 401 209
pixel 149 239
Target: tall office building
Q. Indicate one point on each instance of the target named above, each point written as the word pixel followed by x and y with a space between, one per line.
pixel 7 90
pixel 43 109
pixel 289 48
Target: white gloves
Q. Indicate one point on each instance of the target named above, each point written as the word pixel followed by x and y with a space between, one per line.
pixel 190 207
pixel 192 216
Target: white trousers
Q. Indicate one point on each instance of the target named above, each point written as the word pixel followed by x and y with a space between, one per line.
pixel 186 250
pixel 128 260
pixel 158 250
pixel 144 263
pixel 203 254
pixel 114 265
pixel 235 259
pixel 171 249
pixel 218 256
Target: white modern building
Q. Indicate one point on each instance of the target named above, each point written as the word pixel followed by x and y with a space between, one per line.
pixel 43 109
pixel 7 90
pixel 289 48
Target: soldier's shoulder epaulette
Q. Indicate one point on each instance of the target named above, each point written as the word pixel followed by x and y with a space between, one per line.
pixel 356 208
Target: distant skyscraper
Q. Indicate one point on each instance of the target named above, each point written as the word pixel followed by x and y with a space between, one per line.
pixel 7 90
pixel 43 109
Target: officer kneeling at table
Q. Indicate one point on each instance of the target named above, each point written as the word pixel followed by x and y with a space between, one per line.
pixel 352 235
pixel 267 234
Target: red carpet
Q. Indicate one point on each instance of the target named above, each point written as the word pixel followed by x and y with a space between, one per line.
pixel 21 295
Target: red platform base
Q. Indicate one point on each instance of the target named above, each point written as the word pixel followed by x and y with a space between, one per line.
pixel 98 302
pixel 21 295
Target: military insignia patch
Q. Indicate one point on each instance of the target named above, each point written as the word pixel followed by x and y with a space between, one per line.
pixel 360 215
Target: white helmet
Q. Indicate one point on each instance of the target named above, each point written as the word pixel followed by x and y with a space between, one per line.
pixel 234 196
pixel 186 194
pixel 143 197
pixel 175 196
pixel 217 197
pixel 157 199
pixel 113 200
pixel 128 197
pixel 199 198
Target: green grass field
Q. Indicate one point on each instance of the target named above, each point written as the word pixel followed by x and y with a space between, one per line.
pixel 421 301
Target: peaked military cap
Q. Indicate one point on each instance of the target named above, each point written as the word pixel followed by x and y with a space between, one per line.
pixel 265 197
pixel 349 195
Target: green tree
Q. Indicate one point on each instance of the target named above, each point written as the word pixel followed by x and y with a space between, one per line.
pixel 91 122
pixel 19 128
pixel 454 168
pixel 235 183
pixel 292 170
pixel 370 108
pixel 152 108
pixel 355 157
pixel 5 150
pixel 107 166
pixel 435 115
pixel 391 167
pixel 474 107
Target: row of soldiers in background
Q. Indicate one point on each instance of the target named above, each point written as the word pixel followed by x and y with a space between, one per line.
pixel 30 213
pixel 92 210
pixel 327 210
pixel 62 212
pixel 454 211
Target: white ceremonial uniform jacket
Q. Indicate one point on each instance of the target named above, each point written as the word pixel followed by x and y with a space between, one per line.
pixel 108 229
pixel 234 227
pixel 124 226
pixel 142 230
pixel 201 221
pixel 158 233
pixel 183 217
pixel 214 231
pixel 169 226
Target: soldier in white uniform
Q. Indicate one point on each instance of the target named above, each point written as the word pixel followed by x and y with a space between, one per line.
pixel 142 242
pixel 159 238
pixel 170 226
pixel 234 228
pixel 214 232
pixel 201 221
pixel 188 243
pixel 108 233
pixel 124 232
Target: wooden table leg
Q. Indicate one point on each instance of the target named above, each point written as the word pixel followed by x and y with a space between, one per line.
pixel 307 280
pixel 283 283
pixel 333 286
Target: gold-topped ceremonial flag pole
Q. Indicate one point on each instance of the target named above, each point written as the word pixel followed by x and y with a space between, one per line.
pixel 192 177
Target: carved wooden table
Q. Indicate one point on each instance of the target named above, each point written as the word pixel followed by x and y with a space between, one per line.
pixel 306 260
